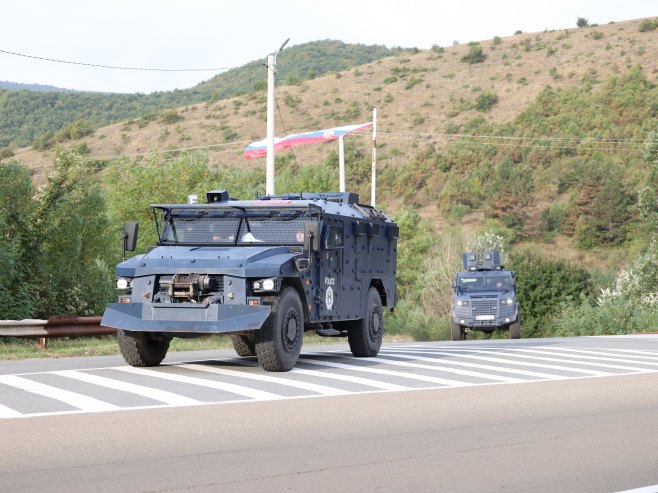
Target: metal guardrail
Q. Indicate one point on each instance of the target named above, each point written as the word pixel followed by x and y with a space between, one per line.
pixel 59 326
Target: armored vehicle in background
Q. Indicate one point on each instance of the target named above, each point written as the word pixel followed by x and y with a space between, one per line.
pixel 264 271
pixel 484 298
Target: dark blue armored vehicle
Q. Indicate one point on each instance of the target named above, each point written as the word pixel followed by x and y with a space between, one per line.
pixel 264 271
pixel 484 298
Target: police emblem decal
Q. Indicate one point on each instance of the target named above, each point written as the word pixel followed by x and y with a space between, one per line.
pixel 329 298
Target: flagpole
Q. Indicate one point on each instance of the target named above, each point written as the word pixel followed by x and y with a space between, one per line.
pixel 374 157
pixel 341 162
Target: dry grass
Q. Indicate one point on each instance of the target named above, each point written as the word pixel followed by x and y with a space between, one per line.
pixel 516 70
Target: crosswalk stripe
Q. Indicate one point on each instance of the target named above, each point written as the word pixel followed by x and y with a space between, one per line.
pixel 500 369
pixel 155 394
pixel 522 363
pixel 440 367
pixel 74 399
pixel 320 389
pixel 7 412
pixel 381 371
pixel 226 387
pixel 342 378
pixel 578 361
pixel 635 358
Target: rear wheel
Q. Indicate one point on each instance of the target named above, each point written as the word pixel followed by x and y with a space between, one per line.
pixel 244 345
pixel 515 330
pixel 279 341
pixel 365 335
pixel 143 348
pixel 457 332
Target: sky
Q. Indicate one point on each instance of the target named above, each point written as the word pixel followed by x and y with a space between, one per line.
pixel 207 34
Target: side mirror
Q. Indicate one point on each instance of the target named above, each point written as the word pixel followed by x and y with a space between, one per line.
pixel 130 237
pixel 312 236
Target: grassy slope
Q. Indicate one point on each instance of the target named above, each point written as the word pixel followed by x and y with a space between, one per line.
pixel 516 70
pixel 426 100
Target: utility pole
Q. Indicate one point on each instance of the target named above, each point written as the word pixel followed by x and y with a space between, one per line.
pixel 374 157
pixel 271 71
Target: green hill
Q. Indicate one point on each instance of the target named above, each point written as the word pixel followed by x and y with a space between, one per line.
pixel 28 115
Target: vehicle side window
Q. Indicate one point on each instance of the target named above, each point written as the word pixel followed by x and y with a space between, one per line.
pixel 334 237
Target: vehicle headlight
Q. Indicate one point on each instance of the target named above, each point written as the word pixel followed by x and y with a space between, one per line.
pixel 462 303
pixel 123 283
pixel 508 301
pixel 269 284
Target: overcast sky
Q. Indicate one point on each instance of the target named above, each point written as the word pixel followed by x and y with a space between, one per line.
pixel 181 34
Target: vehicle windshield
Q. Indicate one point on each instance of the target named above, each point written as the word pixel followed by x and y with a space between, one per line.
pixel 232 227
pixel 484 282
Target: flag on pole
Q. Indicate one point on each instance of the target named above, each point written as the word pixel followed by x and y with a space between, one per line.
pixel 259 148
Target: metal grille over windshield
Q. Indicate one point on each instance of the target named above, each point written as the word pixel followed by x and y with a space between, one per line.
pixel 228 227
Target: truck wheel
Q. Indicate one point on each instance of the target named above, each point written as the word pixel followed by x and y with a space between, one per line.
pixel 365 335
pixel 244 345
pixel 279 341
pixel 456 332
pixel 142 348
pixel 515 330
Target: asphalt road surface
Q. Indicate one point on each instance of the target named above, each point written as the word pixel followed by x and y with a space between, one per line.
pixel 530 415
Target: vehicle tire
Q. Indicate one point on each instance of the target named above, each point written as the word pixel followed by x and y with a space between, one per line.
pixel 279 341
pixel 515 329
pixel 365 335
pixel 244 345
pixel 142 348
pixel 456 332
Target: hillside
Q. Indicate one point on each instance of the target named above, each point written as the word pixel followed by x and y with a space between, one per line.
pixel 420 96
pixel 16 86
pixel 36 118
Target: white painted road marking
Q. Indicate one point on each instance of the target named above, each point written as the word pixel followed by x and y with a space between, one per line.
pixel 80 401
pixel 397 368
pixel 155 394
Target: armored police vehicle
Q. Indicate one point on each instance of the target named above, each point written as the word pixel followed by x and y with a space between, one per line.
pixel 264 271
pixel 484 298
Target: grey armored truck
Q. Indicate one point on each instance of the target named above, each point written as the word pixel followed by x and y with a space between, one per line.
pixel 263 271
pixel 484 298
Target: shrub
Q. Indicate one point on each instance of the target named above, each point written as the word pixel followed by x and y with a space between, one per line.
pixel 543 286
pixel 437 49
pixel 582 22
pixel 485 101
pixel 648 25
pixel 170 116
pixel 474 55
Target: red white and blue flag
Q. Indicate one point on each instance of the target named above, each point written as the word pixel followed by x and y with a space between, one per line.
pixel 259 148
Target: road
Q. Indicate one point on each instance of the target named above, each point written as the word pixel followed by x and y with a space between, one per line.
pixel 542 415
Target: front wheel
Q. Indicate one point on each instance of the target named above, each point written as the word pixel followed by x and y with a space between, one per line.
pixel 457 332
pixel 244 345
pixel 279 341
pixel 143 348
pixel 365 335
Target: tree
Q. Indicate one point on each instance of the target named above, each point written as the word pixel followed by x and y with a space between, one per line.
pixel 582 22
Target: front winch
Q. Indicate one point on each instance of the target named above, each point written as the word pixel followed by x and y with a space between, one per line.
pixel 190 286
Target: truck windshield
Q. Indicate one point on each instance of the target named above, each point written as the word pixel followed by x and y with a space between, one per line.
pixel 233 227
pixel 490 283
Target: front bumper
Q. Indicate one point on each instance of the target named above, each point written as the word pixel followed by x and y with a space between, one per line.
pixel 184 317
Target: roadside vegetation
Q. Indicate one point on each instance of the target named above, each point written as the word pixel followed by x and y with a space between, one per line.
pixel 567 187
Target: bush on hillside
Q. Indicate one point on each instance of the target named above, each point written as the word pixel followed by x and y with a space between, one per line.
pixel 648 25
pixel 486 101
pixel 475 54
